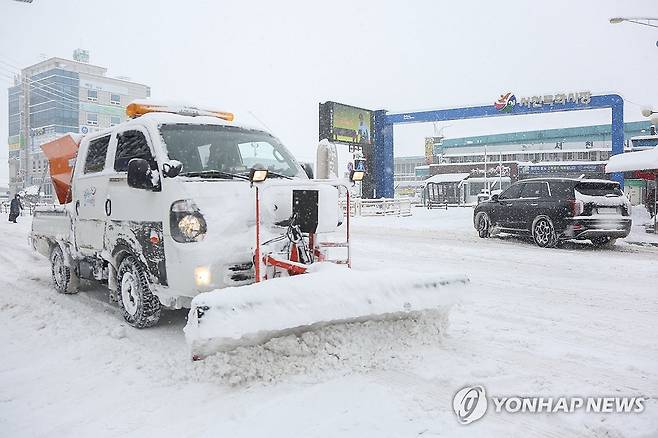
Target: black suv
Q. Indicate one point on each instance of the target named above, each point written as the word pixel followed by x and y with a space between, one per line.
pixel 555 209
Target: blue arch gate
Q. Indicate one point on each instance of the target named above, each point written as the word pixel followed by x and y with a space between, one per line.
pixel 383 165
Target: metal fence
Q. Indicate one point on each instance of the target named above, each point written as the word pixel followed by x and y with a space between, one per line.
pixel 28 208
pixel 378 207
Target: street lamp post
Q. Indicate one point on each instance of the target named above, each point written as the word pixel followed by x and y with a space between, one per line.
pixel 643 21
pixel 653 116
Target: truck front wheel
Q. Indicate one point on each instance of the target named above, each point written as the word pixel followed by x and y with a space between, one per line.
pixel 64 279
pixel 140 307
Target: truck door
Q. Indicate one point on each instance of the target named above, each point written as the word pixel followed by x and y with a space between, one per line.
pixel 90 194
pixel 135 215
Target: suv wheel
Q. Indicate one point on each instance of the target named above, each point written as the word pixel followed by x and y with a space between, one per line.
pixel 543 232
pixel 483 224
pixel 604 242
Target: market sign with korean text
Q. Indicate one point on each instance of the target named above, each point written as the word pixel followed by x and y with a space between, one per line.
pixel 508 101
pixel 497 170
pixel 546 169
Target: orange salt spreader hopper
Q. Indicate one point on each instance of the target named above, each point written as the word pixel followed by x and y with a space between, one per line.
pixel 61 155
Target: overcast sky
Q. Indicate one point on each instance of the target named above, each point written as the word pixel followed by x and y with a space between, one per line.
pixel 278 60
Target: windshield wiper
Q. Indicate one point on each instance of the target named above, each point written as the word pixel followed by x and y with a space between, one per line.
pixel 215 174
pixel 278 175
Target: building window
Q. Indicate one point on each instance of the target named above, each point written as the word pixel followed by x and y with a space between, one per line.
pixel 92 95
pixel 92 119
pixel 115 120
pixel 115 99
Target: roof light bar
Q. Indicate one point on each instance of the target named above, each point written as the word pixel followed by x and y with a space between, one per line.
pixel 134 110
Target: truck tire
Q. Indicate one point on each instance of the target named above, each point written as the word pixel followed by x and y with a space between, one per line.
pixel 64 279
pixel 140 307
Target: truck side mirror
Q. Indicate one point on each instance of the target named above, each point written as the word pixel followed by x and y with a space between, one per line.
pixel 140 174
pixel 308 168
pixel 494 198
pixel 172 168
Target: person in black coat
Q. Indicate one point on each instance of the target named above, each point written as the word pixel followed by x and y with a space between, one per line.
pixel 15 208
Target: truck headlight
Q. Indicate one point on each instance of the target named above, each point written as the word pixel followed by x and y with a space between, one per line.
pixel 186 222
pixel 202 276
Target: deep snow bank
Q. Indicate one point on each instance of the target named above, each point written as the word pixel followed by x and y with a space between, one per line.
pixel 331 351
pixel 223 320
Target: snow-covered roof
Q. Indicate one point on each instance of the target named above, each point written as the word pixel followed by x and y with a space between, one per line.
pixel 629 161
pixel 403 184
pixel 560 163
pixel 448 178
pixel 645 137
pixel 163 117
pixel 527 151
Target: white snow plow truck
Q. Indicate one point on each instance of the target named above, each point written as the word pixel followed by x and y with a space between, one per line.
pixel 180 207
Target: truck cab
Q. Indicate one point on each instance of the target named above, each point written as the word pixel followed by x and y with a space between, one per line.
pixel 162 208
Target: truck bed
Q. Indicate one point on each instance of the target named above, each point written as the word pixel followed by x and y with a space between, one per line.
pixel 50 224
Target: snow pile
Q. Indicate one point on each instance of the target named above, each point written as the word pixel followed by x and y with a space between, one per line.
pixel 224 319
pixel 332 351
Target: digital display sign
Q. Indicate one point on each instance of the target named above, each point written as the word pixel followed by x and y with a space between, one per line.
pixel 341 123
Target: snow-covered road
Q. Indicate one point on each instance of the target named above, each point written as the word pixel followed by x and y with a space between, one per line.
pixel 572 321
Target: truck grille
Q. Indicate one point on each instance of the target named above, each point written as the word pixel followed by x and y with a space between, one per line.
pixel 242 272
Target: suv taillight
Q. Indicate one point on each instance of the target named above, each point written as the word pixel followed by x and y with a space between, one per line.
pixel 577 207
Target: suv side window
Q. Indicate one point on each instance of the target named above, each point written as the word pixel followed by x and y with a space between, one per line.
pixel 512 192
pixel 131 144
pixel 535 189
pixel 95 160
pixel 562 190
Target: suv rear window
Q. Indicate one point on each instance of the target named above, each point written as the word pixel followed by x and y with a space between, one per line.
pixel 599 188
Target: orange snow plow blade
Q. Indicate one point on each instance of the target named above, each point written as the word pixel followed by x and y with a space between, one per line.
pixel 61 155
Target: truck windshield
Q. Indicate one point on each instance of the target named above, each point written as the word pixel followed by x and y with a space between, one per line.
pixel 228 149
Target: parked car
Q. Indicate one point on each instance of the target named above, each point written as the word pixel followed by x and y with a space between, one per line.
pixel 556 209
pixel 484 194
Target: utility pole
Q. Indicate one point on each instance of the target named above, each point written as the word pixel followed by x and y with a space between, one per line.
pixel 486 180
pixel 500 170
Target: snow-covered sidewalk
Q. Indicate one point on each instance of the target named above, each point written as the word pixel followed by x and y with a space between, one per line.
pixel 568 321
